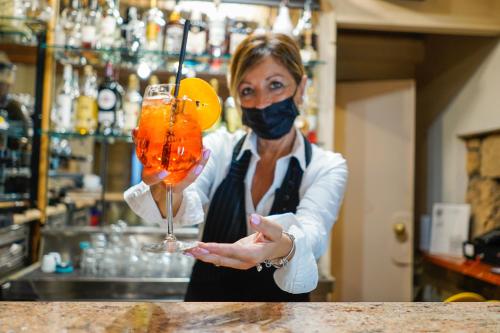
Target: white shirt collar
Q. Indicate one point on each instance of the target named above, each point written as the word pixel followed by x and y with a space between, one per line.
pixel 298 149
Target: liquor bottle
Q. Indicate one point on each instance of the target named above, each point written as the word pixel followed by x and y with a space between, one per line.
pixel 197 41
pixel 134 32
pixel 86 110
pixel 215 85
pixel 62 119
pixel 109 34
pixel 75 92
pixel 153 79
pixel 304 33
pixel 173 32
pixel 71 20
pixel 90 22
pixel 131 104
pixel 232 116
pixel 217 32
pixel 108 102
pixel 283 23
pixel 238 31
pixel 155 24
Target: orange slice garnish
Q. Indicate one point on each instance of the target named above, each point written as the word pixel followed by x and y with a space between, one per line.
pixel 207 102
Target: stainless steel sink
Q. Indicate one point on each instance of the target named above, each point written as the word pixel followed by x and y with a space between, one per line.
pixel 36 285
pixel 32 284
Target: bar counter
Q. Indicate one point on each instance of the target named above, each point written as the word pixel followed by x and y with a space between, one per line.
pixel 250 317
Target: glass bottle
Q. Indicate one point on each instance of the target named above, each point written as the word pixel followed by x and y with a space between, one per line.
pixel 232 115
pixel 75 93
pixel 173 32
pixel 109 34
pixel 134 32
pixel 215 85
pixel 132 104
pixel 86 111
pixel 108 102
pixel 283 23
pixel 304 33
pixel 217 32
pixel 155 23
pixel 197 41
pixel 71 20
pixel 62 119
pixel 238 31
pixel 153 79
pixel 91 21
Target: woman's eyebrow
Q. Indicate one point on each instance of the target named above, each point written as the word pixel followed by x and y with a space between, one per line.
pixel 266 79
pixel 273 75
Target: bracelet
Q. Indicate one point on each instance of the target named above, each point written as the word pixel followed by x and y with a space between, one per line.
pixel 281 262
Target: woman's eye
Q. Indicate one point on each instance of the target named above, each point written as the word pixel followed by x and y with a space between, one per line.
pixel 276 85
pixel 246 91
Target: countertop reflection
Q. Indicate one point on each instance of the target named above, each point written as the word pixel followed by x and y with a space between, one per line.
pixel 250 317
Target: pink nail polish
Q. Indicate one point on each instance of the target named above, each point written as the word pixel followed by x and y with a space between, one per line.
pixel 198 170
pixel 162 174
pixel 188 254
pixel 206 154
pixel 203 251
pixel 255 219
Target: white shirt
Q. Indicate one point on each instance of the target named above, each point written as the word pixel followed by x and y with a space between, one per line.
pixel 321 193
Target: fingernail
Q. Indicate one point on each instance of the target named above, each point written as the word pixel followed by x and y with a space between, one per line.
pixel 188 254
pixel 206 154
pixel 203 251
pixel 255 219
pixel 162 174
pixel 198 170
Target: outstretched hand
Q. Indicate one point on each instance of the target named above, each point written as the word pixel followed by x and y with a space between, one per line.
pixel 267 242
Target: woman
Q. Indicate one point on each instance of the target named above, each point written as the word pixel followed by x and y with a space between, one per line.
pixel 268 196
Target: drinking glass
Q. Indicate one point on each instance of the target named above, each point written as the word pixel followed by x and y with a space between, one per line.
pixel 168 139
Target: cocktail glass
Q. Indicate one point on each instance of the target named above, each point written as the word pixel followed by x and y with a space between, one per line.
pixel 168 139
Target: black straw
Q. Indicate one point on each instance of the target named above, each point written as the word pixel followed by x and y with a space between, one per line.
pixel 182 55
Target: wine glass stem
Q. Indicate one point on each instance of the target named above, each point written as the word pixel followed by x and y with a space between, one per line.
pixel 170 214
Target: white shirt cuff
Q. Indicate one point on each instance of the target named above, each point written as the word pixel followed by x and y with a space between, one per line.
pixel 141 201
pixel 300 275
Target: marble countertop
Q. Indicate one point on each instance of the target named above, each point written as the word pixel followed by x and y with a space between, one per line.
pixel 120 317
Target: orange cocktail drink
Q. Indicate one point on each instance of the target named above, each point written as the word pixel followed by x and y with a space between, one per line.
pixel 169 136
pixel 169 139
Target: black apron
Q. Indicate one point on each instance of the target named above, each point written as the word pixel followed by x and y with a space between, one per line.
pixel 226 222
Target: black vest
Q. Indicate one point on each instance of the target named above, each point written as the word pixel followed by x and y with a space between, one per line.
pixel 226 222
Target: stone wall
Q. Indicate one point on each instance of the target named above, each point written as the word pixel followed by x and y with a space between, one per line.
pixel 483 193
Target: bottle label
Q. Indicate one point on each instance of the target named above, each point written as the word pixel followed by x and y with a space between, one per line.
pixel 152 30
pixel 106 100
pixel 197 42
pixel 64 116
pixel 86 114
pixel 106 119
pixel 217 33
pixel 108 25
pixel 174 39
pixel 88 34
pixel 131 115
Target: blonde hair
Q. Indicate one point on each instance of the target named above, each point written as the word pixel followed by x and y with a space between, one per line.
pixel 258 46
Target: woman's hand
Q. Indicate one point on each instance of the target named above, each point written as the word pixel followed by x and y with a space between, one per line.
pixel 267 243
pixel 154 178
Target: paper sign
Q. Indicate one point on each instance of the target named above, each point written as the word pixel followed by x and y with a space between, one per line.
pixel 450 228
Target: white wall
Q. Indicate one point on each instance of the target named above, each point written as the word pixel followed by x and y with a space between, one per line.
pixel 475 108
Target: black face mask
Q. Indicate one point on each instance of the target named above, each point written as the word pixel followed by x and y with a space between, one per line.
pixel 273 121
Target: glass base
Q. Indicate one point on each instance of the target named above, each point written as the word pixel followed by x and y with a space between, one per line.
pixel 169 246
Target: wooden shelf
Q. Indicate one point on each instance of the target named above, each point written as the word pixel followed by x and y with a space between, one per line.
pixel 475 269
pixel 17 53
